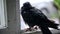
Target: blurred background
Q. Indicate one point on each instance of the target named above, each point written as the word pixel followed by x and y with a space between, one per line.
pixel 51 8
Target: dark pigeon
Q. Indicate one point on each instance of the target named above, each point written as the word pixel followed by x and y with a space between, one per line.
pixel 33 16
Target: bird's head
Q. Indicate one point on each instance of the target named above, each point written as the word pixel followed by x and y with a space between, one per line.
pixel 27 5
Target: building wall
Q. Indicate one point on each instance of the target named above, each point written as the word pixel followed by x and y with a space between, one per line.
pixel 13 13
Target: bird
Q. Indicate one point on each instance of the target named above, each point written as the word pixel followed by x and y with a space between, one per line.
pixel 33 16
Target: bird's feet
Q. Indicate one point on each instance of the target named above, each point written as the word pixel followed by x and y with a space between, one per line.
pixel 27 29
pixel 31 29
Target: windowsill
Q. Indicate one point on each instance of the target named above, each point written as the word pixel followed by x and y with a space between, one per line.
pixel 2 27
pixel 39 32
pixel 54 31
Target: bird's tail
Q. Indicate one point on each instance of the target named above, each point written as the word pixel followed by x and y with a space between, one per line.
pixel 52 24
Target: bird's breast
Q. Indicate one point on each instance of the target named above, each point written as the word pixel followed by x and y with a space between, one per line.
pixel 29 17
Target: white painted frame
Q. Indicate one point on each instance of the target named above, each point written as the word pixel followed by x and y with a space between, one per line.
pixel 3 14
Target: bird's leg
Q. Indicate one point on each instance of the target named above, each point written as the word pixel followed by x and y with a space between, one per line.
pixel 35 27
pixel 32 28
pixel 29 29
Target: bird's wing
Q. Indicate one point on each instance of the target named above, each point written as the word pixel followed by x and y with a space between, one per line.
pixel 39 13
pixel 50 23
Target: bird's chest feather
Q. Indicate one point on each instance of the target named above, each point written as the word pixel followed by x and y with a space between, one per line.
pixel 28 16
